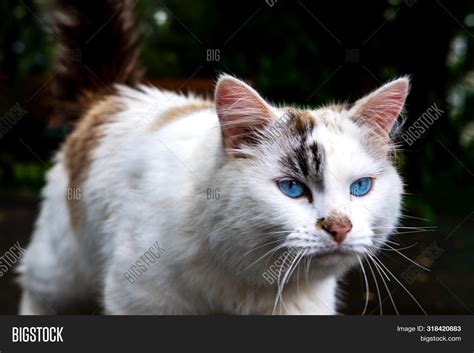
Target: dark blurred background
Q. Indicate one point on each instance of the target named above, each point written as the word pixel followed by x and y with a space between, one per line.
pixel 292 51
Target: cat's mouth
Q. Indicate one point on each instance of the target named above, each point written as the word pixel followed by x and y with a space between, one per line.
pixel 333 252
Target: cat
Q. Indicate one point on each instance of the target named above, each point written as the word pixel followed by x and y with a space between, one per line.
pixel 165 203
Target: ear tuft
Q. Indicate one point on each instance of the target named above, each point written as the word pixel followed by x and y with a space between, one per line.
pixel 380 109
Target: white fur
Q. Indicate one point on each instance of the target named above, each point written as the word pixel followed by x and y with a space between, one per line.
pixel 144 187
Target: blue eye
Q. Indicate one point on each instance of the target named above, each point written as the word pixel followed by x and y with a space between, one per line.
pixel 291 188
pixel 361 186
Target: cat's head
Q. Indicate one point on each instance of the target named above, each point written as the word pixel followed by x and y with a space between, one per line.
pixel 304 183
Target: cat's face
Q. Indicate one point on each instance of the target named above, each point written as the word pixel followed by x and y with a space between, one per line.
pixel 319 183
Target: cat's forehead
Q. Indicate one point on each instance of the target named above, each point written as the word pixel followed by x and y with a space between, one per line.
pixel 333 124
pixel 333 119
pixel 314 136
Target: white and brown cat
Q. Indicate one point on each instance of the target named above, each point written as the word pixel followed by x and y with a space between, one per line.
pixel 245 207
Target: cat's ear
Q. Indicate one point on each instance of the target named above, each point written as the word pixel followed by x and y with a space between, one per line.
pixel 242 113
pixel 380 109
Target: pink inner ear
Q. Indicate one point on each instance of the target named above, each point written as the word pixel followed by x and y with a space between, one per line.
pixel 381 108
pixel 241 111
pixel 224 94
pixel 233 96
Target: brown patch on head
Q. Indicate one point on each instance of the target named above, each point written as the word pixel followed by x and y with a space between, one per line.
pixel 80 145
pixel 302 121
pixel 177 112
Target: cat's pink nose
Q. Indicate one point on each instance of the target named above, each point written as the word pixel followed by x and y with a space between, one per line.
pixel 339 232
pixel 337 226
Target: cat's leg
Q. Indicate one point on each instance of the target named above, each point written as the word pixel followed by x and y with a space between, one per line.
pixel 52 276
pixel 31 304
pixel 54 271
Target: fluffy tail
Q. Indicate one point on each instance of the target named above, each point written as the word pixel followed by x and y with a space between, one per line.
pixel 97 47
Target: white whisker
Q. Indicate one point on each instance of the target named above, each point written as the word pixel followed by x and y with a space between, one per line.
pixel 376 286
pixel 406 257
pixel 386 287
pixel 366 286
pixel 401 284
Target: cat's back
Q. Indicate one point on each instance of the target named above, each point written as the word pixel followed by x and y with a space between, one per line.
pixel 131 146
